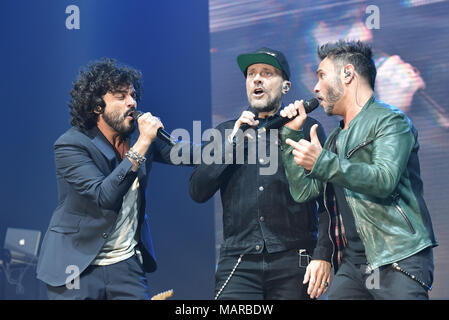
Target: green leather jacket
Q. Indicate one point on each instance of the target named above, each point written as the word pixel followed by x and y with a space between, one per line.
pixel 378 167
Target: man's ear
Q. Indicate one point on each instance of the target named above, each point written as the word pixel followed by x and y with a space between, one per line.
pixel 348 73
pixel 98 110
pixel 286 86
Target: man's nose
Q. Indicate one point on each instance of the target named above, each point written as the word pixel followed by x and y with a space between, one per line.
pixel 316 89
pixel 130 102
pixel 257 79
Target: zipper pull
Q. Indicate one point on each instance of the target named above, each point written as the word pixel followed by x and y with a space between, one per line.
pixel 368 269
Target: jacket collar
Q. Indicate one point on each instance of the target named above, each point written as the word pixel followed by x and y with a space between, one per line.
pixel 100 141
pixel 105 147
pixel 359 115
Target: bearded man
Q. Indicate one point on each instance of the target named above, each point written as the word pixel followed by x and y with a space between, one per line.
pixel 269 239
pixel 98 243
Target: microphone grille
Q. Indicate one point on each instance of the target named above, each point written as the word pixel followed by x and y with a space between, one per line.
pixel 311 105
pixel 136 114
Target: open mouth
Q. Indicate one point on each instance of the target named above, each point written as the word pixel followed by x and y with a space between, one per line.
pixel 258 92
pixel 130 114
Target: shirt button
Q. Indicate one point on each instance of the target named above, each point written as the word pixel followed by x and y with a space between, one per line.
pixel 104 235
pixel 260 188
pixel 121 176
pixel 262 219
pixel 257 247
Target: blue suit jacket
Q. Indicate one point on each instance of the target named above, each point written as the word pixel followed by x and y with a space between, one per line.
pixel 91 184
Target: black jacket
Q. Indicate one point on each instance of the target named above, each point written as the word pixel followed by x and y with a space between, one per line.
pixel 258 210
pixel 91 185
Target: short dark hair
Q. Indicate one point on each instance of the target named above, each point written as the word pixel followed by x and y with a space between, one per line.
pixel 357 53
pixel 99 78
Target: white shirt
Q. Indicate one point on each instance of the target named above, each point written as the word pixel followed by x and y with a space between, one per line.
pixel 122 239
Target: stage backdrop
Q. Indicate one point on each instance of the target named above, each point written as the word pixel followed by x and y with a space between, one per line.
pixel 42 52
pixel 411 45
pixel 186 70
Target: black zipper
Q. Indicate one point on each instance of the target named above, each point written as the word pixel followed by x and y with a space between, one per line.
pixel 328 212
pixel 402 213
pixel 351 152
pixel 405 218
pixel 330 224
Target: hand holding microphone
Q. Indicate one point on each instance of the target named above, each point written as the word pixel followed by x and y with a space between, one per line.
pixel 305 152
pixel 295 114
pixel 246 121
pixel 152 126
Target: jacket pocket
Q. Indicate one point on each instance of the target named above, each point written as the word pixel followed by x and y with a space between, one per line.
pixel 359 146
pixel 404 216
pixel 69 223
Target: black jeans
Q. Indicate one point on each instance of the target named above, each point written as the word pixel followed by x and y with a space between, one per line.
pixel 124 280
pixel 355 282
pixel 265 276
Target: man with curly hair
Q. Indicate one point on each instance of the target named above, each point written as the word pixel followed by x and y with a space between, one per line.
pixel 98 243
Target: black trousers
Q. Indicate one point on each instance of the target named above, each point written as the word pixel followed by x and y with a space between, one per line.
pixel 124 280
pixel 265 276
pixel 355 282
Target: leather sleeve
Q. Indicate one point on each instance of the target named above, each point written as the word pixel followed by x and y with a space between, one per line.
pixel 391 148
pixel 302 188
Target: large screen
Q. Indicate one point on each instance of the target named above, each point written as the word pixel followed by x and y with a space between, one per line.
pixel 410 40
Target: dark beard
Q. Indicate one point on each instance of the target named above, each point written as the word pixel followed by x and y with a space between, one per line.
pixel 334 94
pixel 117 122
pixel 269 108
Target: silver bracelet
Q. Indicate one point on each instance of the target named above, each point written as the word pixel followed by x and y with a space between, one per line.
pixel 134 155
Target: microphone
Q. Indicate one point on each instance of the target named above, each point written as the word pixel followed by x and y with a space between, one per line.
pixel 309 106
pixel 245 126
pixel 161 133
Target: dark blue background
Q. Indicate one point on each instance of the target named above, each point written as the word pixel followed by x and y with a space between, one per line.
pixel 40 58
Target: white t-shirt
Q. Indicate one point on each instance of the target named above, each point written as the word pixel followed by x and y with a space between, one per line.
pixel 122 239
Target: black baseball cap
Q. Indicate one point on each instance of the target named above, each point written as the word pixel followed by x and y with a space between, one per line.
pixel 264 55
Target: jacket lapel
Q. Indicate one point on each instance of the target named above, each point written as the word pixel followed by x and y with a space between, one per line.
pixel 100 141
pixel 103 145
